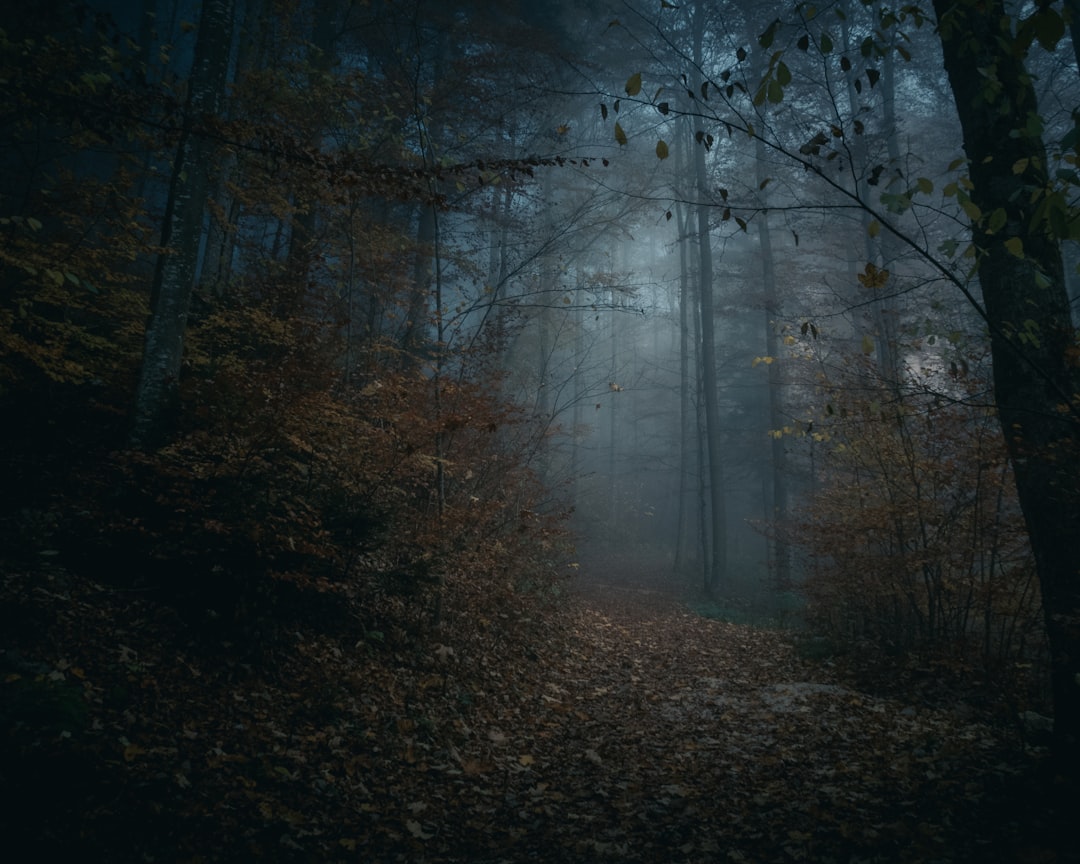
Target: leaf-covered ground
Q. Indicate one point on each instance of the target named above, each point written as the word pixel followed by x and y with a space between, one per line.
pixel 616 725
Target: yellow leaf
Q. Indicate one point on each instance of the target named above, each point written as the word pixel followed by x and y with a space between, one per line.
pixel 526 760
pixel 1016 246
pixel 874 228
pixel 873 278
pixel 633 84
pixel 661 150
pixel 620 135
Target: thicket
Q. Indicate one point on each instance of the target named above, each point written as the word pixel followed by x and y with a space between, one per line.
pixel 912 541
pixel 323 445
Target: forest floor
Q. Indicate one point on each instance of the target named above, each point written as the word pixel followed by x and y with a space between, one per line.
pixel 616 726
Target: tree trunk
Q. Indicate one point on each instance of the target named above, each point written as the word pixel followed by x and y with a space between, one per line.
pixel 174 276
pixel 716 562
pixel 778 490
pixel 1032 338
pixel 685 416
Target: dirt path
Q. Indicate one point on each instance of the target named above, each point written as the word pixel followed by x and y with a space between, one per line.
pixel 621 728
pixel 656 735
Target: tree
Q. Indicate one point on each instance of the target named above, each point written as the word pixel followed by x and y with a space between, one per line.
pixel 182 227
pixel 1036 375
pixel 716 563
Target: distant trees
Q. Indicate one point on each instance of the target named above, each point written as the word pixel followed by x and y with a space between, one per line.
pixel 1015 195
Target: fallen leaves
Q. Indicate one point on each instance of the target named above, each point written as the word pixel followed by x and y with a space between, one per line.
pixel 646 734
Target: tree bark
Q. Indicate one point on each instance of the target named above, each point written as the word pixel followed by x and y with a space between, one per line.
pixel 174 276
pixel 717 560
pixel 1036 379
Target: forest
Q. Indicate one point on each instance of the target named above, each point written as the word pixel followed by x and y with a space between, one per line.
pixel 493 431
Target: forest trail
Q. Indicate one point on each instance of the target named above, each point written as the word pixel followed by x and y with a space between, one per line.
pixel 618 726
pixel 658 735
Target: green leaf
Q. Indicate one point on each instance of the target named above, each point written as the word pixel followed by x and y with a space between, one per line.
pixel 633 84
pixel 826 43
pixel 776 92
pixel 620 136
pixel 1016 246
pixel 1049 28
pixel 661 150
pixel 766 38
pixel 926 186
pixel 783 74
pixel 33 223
pixel 970 208
pixel 874 228
pixel 997 220
pixel 867 345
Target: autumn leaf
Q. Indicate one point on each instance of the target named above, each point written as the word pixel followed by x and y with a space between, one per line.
pixel 417 830
pixel 872 277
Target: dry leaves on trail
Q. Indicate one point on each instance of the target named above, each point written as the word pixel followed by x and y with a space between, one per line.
pixel 617 727
pixel 648 733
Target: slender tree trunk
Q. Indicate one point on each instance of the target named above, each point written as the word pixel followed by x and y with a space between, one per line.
pixel 778 472
pixel 717 560
pixel 682 220
pixel 416 319
pixel 303 235
pixel 887 367
pixel 685 415
pixel 776 491
pixel 1036 380
pixel 174 276
pixel 613 423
